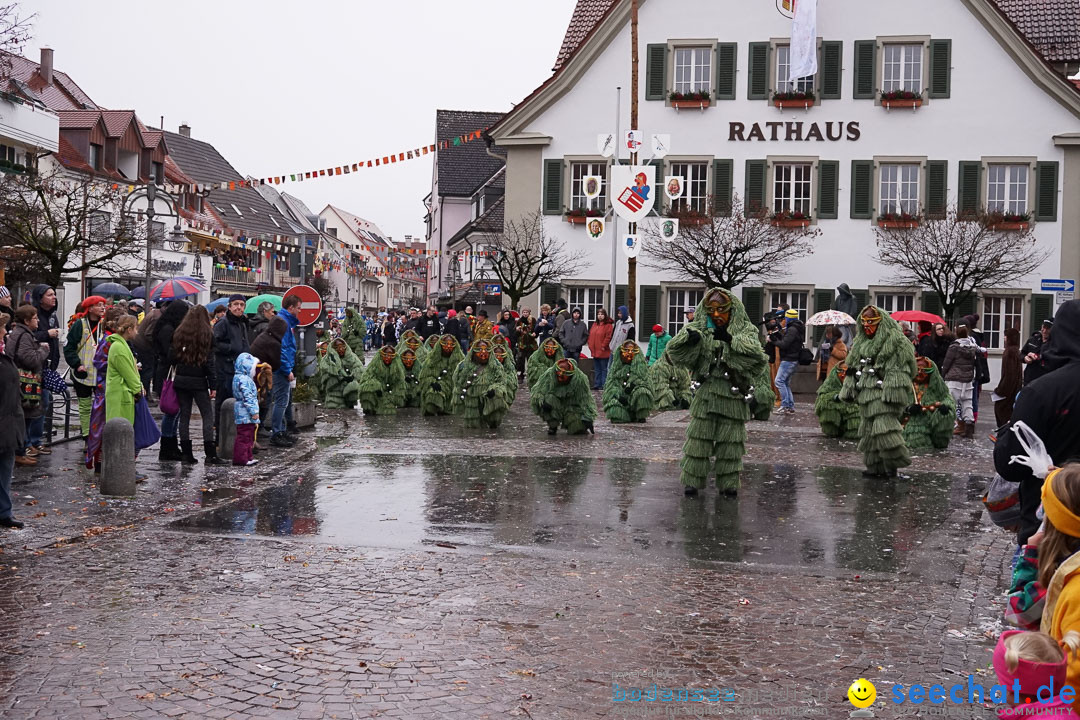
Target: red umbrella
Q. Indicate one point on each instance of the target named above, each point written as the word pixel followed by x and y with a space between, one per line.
pixel 916 316
pixel 176 288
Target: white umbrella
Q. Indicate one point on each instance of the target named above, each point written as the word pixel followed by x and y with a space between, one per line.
pixel 831 317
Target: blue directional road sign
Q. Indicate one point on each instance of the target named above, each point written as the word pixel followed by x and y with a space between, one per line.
pixel 1058 285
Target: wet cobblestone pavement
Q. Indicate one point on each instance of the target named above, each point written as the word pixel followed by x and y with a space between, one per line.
pixel 406 567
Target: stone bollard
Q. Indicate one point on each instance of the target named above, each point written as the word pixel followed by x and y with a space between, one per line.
pixel 118 458
pixel 227 429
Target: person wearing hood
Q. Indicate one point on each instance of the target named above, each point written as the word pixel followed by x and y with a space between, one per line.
pixel 7 314
pixel 12 432
pixel 230 339
pixel 1031 353
pixel 170 319
pixel 43 297
pixel 267 349
pixel 1049 406
pixel 246 408
pixel 958 370
pixel 789 341
pixel 573 335
pixel 457 329
pixel 845 302
pixel 657 342
pixel 624 329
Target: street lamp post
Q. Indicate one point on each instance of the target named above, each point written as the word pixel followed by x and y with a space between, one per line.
pixel 151 196
pixel 152 192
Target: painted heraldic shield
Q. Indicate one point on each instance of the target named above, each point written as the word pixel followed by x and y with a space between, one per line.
pixel 633 190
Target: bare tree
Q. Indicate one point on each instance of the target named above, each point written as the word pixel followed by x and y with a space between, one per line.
pixel 54 225
pixel 524 257
pixel 726 248
pixel 956 254
pixel 14 33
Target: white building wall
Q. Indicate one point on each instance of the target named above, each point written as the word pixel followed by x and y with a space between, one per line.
pixel 995 109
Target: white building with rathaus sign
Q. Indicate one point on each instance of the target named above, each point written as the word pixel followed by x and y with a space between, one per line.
pixel 997 127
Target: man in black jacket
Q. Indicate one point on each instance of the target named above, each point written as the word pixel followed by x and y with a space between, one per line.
pixel 790 343
pixel 1050 406
pixel 230 339
pixel 1031 353
pixel 428 325
pixel 43 298
pixel 458 328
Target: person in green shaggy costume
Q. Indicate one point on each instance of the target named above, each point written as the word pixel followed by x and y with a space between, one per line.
pixel 482 396
pixel 339 373
pixel 562 397
pixel 437 376
pixel 410 340
pixel 501 351
pixel 382 387
pixel 838 419
pixel 412 379
pixel 881 366
pixel 317 379
pixel 430 344
pixel 671 385
pixel 722 350
pixel 930 417
pixel 353 330
pixel 628 392
pixel 544 357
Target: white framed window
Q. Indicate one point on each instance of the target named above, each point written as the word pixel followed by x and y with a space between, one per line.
pixel 795 299
pixel 589 299
pixel 693 69
pixel 785 83
pixel 902 67
pixel 578 172
pixel 696 189
pixel 1007 189
pixel 895 302
pixel 899 189
pixel 792 183
pixel 1001 312
pixel 679 299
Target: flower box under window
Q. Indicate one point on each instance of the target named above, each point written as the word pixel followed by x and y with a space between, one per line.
pixel 794 99
pixel 787 219
pixel 901 99
pixel 690 100
pixel 1007 222
pixel 579 217
pixel 898 221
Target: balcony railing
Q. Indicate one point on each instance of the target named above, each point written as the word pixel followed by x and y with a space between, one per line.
pixel 241 278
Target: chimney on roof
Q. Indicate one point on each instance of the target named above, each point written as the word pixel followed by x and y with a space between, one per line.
pixel 185 129
pixel 46 68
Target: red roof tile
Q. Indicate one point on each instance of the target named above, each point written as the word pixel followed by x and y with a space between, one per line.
pixel 70 158
pixel 117 121
pixel 587 13
pixel 62 94
pixel 79 119
pixel 1051 26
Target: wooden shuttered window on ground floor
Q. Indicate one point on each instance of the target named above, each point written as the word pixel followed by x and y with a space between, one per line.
pixel 649 306
pixel 931 303
pixel 862 189
pixel 727 60
pixel 620 298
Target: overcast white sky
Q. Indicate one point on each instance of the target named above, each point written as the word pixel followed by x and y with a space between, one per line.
pixel 283 86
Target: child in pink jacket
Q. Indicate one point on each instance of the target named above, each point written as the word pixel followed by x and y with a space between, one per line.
pixel 1037 661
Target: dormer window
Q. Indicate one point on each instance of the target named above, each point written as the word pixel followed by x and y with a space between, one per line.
pixel 236 209
pixel 158 173
pixel 95 156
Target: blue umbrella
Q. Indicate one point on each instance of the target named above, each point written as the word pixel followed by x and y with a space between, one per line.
pixel 214 305
pixel 111 288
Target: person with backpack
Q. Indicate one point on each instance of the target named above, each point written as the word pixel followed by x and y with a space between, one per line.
pixel 788 339
pixel 959 373
pixel 30 358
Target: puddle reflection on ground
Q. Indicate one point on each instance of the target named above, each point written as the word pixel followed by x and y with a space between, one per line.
pixel 830 517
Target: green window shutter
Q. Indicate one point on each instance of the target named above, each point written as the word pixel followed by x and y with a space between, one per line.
pixel 649 304
pixel 967 187
pixel 754 198
pixel 864 77
pixel 1042 308
pixel 967 305
pixel 723 175
pixel 937 187
pixel 620 295
pixel 828 189
pixel 553 177
pixel 549 295
pixel 940 68
pixel 862 181
pixel 832 56
pixel 727 60
pixel 656 72
pixel 931 303
pixel 862 298
pixel 822 301
pixel 758 72
pixel 753 300
pixel 1046 185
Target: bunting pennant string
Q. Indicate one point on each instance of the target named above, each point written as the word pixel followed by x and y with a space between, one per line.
pixel 345 169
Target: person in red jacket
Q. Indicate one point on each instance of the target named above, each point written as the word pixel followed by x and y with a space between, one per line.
pixel 599 347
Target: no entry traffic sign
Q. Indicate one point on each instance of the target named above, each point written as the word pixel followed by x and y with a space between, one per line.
pixel 310 304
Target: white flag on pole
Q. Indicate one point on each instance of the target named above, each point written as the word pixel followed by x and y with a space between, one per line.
pixel 803 40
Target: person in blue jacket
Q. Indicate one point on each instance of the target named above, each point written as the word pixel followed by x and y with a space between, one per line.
pixel 283 376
